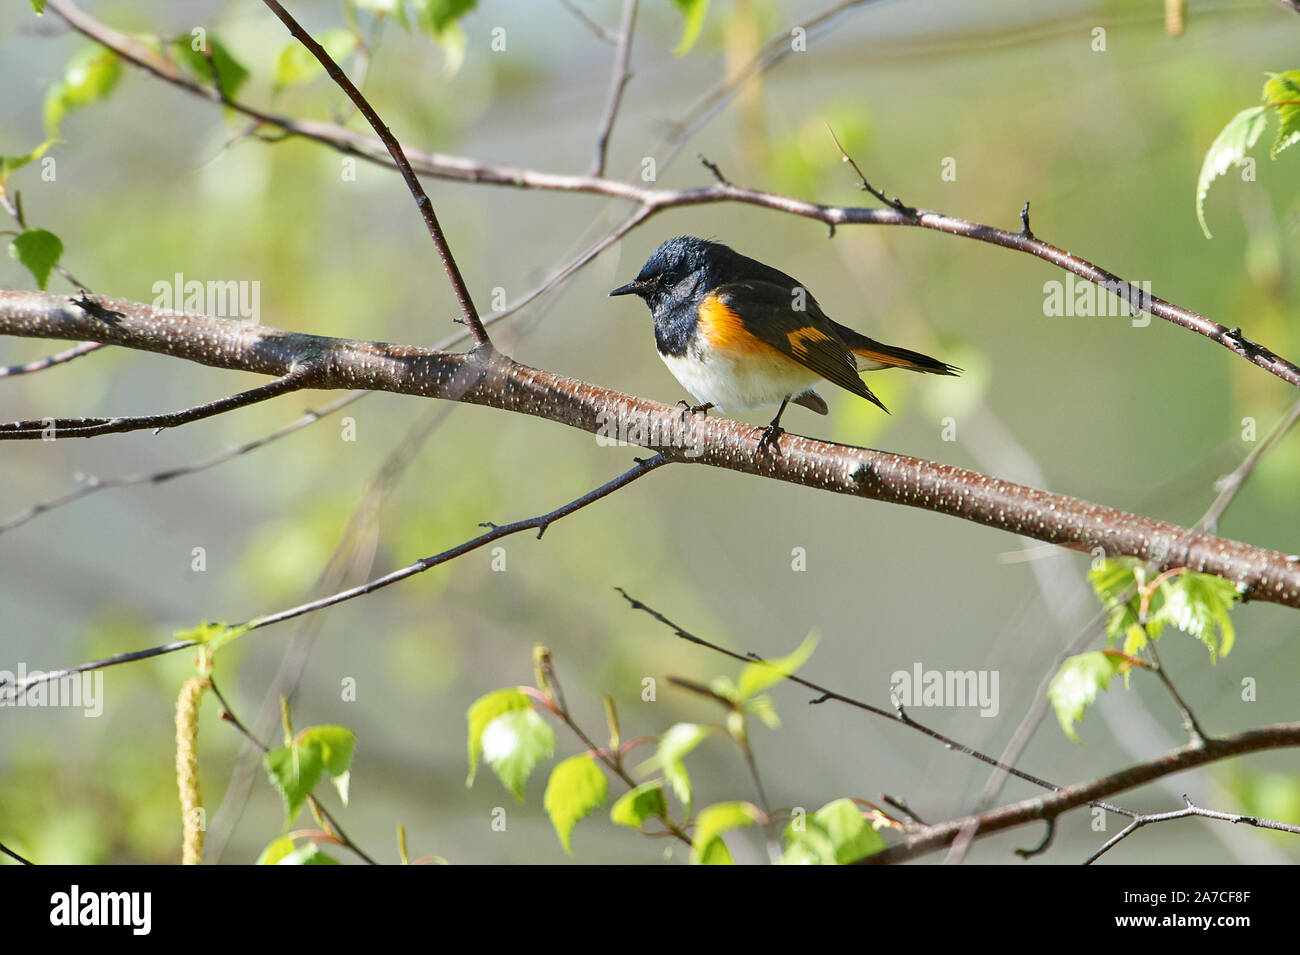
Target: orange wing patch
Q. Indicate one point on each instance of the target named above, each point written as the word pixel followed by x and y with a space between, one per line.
pixel 724 330
pixel 800 337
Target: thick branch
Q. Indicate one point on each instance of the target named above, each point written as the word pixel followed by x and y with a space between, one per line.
pixel 494 380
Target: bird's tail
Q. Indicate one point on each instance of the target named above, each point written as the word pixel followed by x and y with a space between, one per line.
pixel 874 355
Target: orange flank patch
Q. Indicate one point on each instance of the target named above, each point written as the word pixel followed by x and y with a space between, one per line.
pixel 723 329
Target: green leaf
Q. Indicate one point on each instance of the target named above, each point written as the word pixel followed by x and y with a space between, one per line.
pixel 765 710
pixel 634 807
pixel 308 854
pixel 216 634
pixel 482 712
pixel 576 789
pixel 850 834
pixel 1228 148
pixel 514 743
pixel 276 851
pixel 692 12
pixel 439 19
pixel 712 822
pixel 1284 89
pixel 336 745
pixel 294 771
pixel 38 250
pixel 757 677
pixel 1116 581
pixel 9 163
pixel 38 6
pixel 296 64
pixel 675 743
pixel 90 76
pixel 1199 604
pixel 1076 685
pixel 231 74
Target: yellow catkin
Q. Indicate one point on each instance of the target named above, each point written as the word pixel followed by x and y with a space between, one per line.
pixel 1175 16
pixel 187 769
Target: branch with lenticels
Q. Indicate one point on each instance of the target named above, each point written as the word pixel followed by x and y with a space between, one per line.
pixel 486 377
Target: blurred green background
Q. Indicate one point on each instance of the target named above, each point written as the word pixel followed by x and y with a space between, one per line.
pixel 1107 145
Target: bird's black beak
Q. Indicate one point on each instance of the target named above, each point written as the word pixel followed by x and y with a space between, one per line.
pixel 631 288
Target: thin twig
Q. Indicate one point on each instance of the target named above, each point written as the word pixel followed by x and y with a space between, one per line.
pixel 468 312
pixel 618 82
pixel 1146 819
pixel 899 715
pixel 600 32
pixel 58 428
pixel 1231 483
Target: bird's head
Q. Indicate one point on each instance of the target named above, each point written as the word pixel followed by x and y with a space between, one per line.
pixel 675 270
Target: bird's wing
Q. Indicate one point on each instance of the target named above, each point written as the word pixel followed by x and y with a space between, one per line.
pixel 752 315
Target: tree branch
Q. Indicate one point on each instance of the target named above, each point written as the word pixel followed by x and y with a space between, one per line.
pixel 496 381
pixel 1051 805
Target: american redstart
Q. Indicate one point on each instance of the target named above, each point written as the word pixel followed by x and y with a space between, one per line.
pixel 739 334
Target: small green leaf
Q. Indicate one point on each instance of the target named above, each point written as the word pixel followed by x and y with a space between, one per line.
pixel 765 710
pixel 231 74
pixel 276 851
pixel 576 789
pixel 1228 148
pixel 1076 685
pixel 39 251
pixel 308 854
pixel 482 712
pixel 439 19
pixel 634 807
pixel 38 6
pixel 294 771
pixel 675 743
pixel 217 635
pixel 336 745
pixel 9 163
pixel 713 821
pixel 514 743
pixel 1116 582
pixel 1199 604
pixel 90 76
pixel 757 677
pixel 1284 90
pixel 692 12
pixel 296 64
pixel 850 834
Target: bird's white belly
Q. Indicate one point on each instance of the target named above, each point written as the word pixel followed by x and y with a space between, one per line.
pixel 736 385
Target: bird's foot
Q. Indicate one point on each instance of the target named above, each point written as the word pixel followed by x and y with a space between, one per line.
pixel 768 439
pixel 689 410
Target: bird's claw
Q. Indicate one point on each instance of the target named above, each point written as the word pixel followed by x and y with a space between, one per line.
pixel 769 436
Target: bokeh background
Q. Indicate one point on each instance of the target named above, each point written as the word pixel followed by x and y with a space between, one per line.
pixel 1107 145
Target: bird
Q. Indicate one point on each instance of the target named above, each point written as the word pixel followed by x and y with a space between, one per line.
pixel 738 334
